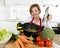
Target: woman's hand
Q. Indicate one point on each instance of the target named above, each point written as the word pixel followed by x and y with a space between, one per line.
pixel 49 17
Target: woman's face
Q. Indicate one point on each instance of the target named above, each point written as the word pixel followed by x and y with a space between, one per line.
pixel 35 12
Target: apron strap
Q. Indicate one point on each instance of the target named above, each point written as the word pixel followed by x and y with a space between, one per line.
pixel 40 22
pixel 32 20
pixel 39 25
pixel 39 19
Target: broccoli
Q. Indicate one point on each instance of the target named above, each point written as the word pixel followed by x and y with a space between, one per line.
pixel 48 33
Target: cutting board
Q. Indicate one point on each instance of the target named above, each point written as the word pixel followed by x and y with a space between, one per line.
pixel 12 45
pixel 57 39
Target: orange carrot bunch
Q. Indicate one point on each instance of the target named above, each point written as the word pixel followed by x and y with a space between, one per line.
pixel 23 42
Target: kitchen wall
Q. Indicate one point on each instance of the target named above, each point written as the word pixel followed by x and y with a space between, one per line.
pixel 14 11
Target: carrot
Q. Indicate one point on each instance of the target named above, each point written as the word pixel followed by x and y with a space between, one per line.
pixel 25 40
pixel 22 40
pixel 30 45
pixel 24 37
pixel 26 45
pixel 17 44
pixel 21 43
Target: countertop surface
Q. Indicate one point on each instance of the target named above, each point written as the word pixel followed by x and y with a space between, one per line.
pixel 56 43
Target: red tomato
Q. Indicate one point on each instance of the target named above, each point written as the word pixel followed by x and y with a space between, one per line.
pixel 48 43
pixel 41 43
pixel 45 39
pixel 38 38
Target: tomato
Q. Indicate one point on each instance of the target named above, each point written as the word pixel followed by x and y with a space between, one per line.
pixel 41 43
pixel 45 39
pixel 38 38
pixel 48 43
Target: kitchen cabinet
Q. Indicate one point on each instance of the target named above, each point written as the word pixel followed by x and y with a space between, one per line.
pixel 10 2
pixel 1 2
pixel 19 11
pixel 18 2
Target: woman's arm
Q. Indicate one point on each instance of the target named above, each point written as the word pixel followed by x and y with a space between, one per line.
pixel 47 22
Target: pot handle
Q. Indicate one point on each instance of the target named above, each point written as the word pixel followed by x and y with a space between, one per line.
pixel 42 28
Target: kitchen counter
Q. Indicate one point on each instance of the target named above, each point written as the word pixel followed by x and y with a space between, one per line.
pixel 56 43
pixel 12 45
pixel 57 39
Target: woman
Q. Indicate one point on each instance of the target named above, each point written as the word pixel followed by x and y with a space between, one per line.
pixel 35 17
pixel 35 11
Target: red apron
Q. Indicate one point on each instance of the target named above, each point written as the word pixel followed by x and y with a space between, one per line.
pixel 38 25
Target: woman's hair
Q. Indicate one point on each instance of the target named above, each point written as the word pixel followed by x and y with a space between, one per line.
pixel 34 5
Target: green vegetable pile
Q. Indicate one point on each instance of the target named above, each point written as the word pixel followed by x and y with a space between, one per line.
pixel 14 37
pixel 48 33
pixel 4 34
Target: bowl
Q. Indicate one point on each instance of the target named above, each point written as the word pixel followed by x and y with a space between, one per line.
pixel 3 42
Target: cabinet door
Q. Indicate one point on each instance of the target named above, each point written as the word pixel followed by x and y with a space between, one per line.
pixel 20 12
pixel 10 2
pixel 18 2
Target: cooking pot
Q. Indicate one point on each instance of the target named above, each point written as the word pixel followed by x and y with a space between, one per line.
pixel 30 28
